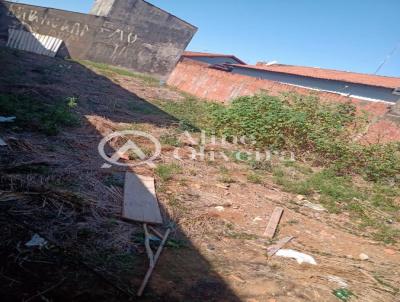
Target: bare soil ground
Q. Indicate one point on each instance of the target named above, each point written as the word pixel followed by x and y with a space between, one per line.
pixel 54 186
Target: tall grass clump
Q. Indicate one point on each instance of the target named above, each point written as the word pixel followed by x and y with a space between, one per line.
pixel 311 128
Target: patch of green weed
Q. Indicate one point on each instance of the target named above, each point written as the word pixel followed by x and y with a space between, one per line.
pixel 166 171
pixel 149 80
pixel 170 140
pixel 254 178
pixel 192 114
pixel 310 128
pixel 225 176
pixel 37 115
pixel 72 102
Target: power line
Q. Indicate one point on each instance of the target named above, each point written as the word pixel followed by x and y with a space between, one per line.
pixel 388 57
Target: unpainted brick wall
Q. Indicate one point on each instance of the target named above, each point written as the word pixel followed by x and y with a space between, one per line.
pixel 207 83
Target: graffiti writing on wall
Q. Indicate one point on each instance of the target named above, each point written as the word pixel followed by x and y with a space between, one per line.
pixel 57 26
pixel 120 40
pixel 117 34
pixel 114 41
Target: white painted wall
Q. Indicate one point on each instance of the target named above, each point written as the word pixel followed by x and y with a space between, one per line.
pixel 363 92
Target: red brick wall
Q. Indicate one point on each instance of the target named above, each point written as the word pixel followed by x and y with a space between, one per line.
pixel 198 79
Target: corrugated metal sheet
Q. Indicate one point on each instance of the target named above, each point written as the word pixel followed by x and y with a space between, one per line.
pixel 33 42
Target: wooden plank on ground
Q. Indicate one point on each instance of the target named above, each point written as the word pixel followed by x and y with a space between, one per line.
pixel 273 223
pixel 140 201
pixel 276 247
pixel 153 265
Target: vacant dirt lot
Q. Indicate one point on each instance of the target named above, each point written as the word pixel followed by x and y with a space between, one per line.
pixel 52 184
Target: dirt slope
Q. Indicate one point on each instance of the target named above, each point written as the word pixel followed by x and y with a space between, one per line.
pixel 54 186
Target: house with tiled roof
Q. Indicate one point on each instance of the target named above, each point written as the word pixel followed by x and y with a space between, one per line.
pixel 360 86
pixel 214 77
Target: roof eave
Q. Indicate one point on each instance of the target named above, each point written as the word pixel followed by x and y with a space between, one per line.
pixel 308 76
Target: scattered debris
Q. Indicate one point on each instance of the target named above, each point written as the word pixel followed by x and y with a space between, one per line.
pixel 36 241
pixel 140 204
pixel 363 257
pixel 343 294
pixel 2 142
pixel 302 200
pixel 7 119
pixel 225 187
pixel 300 197
pixel 273 223
pixel 153 259
pixel 220 208
pixel 156 232
pixel 257 219
pixel 314 206
pixel 300 257
pixel 153 238
pixel 149 251
pixel 276 247
pixel 339 281
pixel 140 201
pixel 210 247
pixel 237 278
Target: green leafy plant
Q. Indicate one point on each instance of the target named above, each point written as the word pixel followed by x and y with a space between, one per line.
pixel 166 171
pixel 37 115
pixel 192 114
pixel 309 127
pixel 72 102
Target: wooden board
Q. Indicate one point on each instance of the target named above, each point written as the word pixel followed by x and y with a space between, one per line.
pixel 140 201
pixel 273 222
pixel 276 247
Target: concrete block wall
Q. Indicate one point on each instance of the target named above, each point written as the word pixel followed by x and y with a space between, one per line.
pixel 199 79
pixel 140 37
pixel 102 7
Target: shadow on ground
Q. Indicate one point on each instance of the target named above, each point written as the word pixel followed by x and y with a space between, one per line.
pixel 49 184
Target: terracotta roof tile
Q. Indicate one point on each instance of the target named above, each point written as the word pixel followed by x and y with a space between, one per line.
pixel 329 74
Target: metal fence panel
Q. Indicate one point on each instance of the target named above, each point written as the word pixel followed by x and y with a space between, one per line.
pixel 33 42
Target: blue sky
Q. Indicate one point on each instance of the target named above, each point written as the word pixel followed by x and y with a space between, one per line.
pixel 352 35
